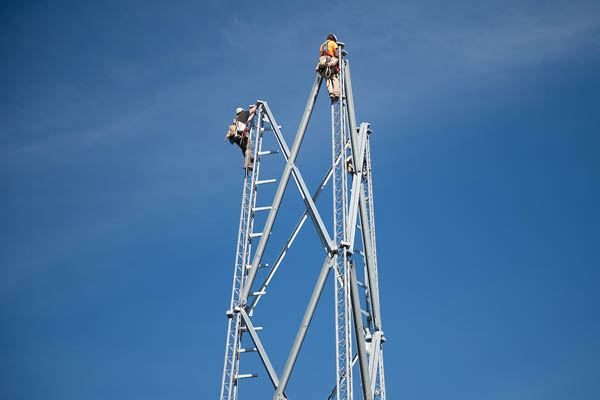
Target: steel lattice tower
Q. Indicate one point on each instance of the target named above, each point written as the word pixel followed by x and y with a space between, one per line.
pixel 357 309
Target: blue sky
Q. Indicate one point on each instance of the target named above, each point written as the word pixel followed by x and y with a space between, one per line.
pixel 120 201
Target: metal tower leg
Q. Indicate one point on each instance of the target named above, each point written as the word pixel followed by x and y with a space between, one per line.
pixel 243 249
pixel 343 334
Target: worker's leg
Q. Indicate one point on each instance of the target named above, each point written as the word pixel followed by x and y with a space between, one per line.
pixel 329 83
pixel 333 86
pixel 238 140
pixel 335 83
pixel 247 152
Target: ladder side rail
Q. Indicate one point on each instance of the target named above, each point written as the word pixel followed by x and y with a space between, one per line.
pixel 230 345
pixel 227 361
pixel 255 140
pixel 233 343
pixel 257 147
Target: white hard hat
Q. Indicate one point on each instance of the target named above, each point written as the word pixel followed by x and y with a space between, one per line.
pixel 239 110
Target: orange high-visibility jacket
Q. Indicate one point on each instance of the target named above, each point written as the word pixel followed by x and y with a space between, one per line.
pixel 329 48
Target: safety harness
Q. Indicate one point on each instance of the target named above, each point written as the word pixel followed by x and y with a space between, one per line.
pixel 325 49
pixel 244 132
pixel 327 70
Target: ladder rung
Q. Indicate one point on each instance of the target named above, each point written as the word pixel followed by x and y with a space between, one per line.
pixel 256 328
pixel 256 234
pixel 248 266
pixel 244 376
pixel 267 152
pixel 365 313
pixel 262 208
pixel 258 293
pixel 265 181
pixel 271 127
pixel 359 283
pixel 250 350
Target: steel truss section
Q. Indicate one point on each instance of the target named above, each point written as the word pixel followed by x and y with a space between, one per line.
pixel 354 287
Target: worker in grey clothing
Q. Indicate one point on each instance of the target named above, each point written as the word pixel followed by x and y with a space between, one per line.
pixel 238 133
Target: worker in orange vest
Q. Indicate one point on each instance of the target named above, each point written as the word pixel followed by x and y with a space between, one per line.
pixel 328 66
pixel 238 133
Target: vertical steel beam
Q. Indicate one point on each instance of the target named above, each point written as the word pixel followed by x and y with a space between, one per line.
pixel 374 360
pixel 308 314
pixel 366 235
pixel 358 149
pixel 364 219
pixel 360 336
pixel 260 249
pixel 351 114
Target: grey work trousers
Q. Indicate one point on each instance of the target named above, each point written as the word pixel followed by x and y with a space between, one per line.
pixel 333 85
pixel 246 148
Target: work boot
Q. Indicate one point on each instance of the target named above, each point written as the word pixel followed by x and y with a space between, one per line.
pixel 248 167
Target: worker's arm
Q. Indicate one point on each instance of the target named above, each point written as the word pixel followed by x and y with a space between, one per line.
pixel 252 111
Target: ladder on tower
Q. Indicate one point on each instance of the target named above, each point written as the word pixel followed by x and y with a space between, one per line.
pixel 236 327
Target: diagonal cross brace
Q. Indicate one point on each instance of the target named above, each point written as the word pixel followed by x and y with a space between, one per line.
pixel 259 347
pixel 302 188
pixel 291 238
pixel 308 314
pixel 281 190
